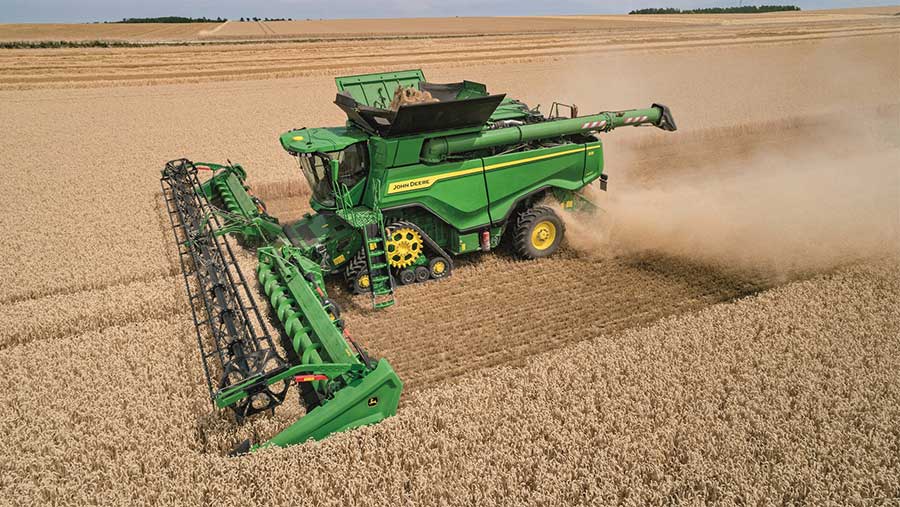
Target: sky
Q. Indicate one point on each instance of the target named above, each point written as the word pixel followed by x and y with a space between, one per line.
pixel 76 11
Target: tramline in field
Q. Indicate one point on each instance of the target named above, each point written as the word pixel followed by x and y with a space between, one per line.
pixel 398 192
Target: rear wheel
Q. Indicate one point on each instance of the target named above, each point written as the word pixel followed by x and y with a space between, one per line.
pixel 538 233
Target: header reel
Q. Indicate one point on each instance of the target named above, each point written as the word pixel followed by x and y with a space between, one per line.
pixel 340 385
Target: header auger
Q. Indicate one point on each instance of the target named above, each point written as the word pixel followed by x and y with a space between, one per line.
pixel 396 194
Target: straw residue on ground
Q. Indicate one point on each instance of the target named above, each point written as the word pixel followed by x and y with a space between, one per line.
pixel 784 395
pixel 790 396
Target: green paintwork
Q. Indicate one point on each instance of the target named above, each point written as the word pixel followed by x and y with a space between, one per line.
pixel 382 285
pixel 311 140
pixel 239 213
pixel 319 344
pixel 437 149
pixel 377 90
pixel 510 176
pixel 309 231
pixel 299 308
pixel 367 400
pixel 510 109
pixel 454 182
pixel 240 391
pixel 460 201
pixel 455 185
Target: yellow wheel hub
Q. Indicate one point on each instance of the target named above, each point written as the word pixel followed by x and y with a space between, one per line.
pixel 364 281
pixel 439 267
pixel 404 246
pixel 543 235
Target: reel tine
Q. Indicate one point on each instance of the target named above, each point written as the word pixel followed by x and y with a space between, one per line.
pixel 226 317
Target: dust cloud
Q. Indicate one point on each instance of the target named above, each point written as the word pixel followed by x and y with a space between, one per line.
pixel 806 204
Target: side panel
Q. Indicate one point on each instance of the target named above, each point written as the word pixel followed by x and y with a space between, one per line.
pixel 511 176
pixel 454 191
pixel 593 162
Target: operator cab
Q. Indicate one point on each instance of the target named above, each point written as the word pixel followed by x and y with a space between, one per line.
pixel 353 167
pixel 315 149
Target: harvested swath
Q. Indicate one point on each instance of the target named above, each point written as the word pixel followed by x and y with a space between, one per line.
pixel 433 336
pixel 496 310
pixel 81 67
pixel 100 31
pixel 405 27
pixel 791 395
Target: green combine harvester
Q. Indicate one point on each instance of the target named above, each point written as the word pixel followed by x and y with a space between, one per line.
pixel 397 194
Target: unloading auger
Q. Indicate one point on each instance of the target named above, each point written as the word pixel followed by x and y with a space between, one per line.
pixel 397 193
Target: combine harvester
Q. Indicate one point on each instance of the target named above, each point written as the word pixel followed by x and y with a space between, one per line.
pixel 397 193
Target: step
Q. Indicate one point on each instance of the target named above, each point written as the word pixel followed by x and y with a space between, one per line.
pixel 378 265
pixel 383 278
pixel 384 304
pixel 373 253
pixel 359 216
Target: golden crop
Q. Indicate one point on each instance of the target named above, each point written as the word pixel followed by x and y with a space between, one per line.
pixel 642 367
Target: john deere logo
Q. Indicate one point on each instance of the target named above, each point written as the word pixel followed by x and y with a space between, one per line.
pixel 403 186
pixel 373 401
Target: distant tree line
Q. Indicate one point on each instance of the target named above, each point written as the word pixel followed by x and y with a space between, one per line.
pixel 171 19
pixel 180 19
pixel 745 9
pixel 27 44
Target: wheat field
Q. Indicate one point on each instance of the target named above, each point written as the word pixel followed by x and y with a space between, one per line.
pixel 726 332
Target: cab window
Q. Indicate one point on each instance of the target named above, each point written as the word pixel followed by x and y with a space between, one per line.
pixel 353 164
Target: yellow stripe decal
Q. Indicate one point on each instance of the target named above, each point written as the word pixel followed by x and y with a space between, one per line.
pixel 427 181
pixel 420 183
pixel 501 165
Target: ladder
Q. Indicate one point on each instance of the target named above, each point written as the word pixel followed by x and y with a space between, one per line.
pixel 380 279
pixel 371 221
